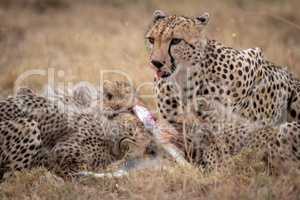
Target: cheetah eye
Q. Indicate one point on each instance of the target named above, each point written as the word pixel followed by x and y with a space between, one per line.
pixel 175 41
pixel 151 40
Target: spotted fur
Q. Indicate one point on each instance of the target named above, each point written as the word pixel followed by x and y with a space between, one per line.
pixel 210 148
pixel 223 99
pixel 189 66
pixel 60 134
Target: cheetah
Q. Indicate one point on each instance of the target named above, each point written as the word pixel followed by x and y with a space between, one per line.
pixel 20 141
pixel 210 149
pixel 56 133
pixel 188 65
pixel 98 139
pixel 28 122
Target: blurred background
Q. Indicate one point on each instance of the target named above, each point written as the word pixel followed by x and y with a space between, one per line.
pixel 77 39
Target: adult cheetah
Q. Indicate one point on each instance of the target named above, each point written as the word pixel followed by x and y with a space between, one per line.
pixel 231 99
pixel 188 65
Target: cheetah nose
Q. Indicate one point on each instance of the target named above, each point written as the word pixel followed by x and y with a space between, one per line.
pixel 157 64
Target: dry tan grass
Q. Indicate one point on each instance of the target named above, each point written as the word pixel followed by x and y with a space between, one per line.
pixel 244 179
pixel 83 38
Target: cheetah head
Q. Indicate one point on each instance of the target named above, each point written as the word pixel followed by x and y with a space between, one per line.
pixel 173 41
pixel 131 138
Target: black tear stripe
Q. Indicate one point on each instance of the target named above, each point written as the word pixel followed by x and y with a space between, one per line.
pixel 173 67
pixel 172 58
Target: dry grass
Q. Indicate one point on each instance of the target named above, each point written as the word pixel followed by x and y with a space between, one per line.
pixel 84 38
pixel 244 179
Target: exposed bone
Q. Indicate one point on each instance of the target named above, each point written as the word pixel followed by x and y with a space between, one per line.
pixel 131 165
pixel 118 173
pixel 150 124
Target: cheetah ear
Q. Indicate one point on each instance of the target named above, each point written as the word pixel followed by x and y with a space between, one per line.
pixel 24 91
pixel 84 93
pixel 158 14
pixel 203 19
